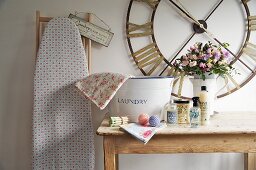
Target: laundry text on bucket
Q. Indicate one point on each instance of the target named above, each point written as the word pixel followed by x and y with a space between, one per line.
pixel 132 101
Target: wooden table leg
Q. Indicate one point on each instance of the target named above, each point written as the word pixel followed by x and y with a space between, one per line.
pixel 250 161
pixel 117 161
pixel 110 156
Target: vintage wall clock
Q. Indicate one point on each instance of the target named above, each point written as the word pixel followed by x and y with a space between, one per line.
pixel 159 31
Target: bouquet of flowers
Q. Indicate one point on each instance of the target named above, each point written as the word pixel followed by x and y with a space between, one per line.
pixel 203 59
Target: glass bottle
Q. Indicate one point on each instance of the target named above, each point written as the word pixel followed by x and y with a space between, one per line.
pixel 195 113
pixel 170 113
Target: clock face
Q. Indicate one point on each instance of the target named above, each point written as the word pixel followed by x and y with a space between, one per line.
pixel 160 31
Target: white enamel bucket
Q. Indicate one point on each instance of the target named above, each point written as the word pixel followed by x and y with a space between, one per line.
pixel 141 95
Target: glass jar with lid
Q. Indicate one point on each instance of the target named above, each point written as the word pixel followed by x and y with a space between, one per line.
pixel 183 107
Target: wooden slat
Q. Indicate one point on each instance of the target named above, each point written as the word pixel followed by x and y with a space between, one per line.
pixel 135 30
pixel 88 47
pixel 142 50
pixel 143 55
pixel 252 17
pixel 148 56
pixel 45 19
pixel 157 63
pixel 134 27
pixel 141 65
pixel 150 59
pixel 252 23
pixel 143 34
pixel 37 31
pixel 250 50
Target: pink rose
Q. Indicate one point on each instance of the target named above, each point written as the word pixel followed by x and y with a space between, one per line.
pixel 185 63
pixel 199 56
pixel 190 56
pixel 202 65
pixel 184 57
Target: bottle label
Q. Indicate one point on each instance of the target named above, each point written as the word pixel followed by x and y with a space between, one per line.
pixel 194 114
pixel 204 111
pixel 194 117
pixel 171 117
pixel 203 106
pixel 183 113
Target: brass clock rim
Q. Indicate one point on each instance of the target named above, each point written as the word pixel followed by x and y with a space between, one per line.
pixel 239 53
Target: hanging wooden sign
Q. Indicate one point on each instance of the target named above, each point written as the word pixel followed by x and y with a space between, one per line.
pixel 92 31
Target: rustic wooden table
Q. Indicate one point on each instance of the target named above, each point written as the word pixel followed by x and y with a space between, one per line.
pixel 227 132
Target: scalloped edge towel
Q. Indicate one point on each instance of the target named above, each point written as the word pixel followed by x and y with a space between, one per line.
pixel 100 88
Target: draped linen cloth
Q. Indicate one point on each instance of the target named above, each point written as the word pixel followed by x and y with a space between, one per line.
pixel 62 125
pixel 100 88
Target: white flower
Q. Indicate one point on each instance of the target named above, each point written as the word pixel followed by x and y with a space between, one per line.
pixel 192 63
pixel 221 62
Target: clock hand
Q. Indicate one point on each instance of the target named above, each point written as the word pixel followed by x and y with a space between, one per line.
pixel 208 16
pixel 186 14
pixel 191 36
pixel 194 19
pixel 189 16
pixel 210 35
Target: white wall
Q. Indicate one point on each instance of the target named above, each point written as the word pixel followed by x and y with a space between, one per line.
pixel 17 47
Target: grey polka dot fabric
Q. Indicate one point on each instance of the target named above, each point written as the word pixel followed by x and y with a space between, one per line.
pixel 62 124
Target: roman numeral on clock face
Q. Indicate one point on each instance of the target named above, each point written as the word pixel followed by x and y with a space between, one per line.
pixel 250 50
pixel 252 23
pixel 148 56
pixel 135 30
pixel 230 79
pixel 151 3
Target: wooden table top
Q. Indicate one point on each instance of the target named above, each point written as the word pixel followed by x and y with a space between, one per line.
pixel 220 123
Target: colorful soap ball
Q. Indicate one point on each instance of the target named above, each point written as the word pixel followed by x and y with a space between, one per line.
pixel 154 121
pixel 143 119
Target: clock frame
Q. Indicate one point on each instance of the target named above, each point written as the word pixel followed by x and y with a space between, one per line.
pixel 151 61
